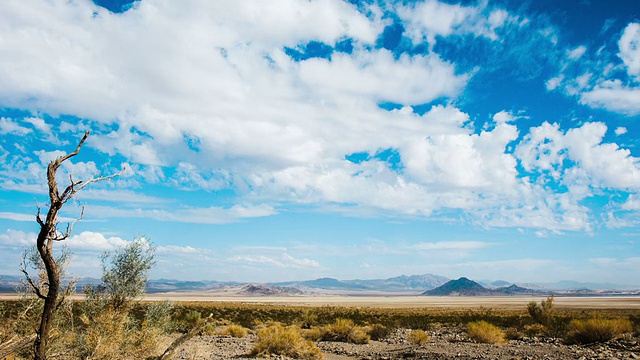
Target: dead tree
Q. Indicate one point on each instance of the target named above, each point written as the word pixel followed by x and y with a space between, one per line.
pixel 47 236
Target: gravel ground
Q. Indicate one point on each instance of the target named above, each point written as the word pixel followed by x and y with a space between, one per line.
pixel 445 343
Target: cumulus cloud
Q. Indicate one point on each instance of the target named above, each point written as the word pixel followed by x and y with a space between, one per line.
pixel 613 95
pixel 620 130
pixel 629 45
pixel 599 164
pixel 9 126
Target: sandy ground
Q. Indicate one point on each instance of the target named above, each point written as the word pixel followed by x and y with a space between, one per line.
pixel 396 301
pixel 411 301
pixel 595 302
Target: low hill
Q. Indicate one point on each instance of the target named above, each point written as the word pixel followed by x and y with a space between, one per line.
pixel 265 290
pixel 517 290
pixel 460 287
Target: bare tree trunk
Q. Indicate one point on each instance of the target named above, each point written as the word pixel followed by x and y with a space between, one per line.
pixel 49 234
pixel 51 299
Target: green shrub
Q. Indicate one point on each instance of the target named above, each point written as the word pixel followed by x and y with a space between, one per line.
pixel 542 313
pixel 483 332
pixel 286 341
pixel 158 315
pixel 419 337
pixel 596 330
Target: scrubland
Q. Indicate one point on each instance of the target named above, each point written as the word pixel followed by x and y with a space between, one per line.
pixel 539 329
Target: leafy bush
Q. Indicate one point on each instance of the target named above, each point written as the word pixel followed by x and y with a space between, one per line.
pixel 419 337
pixel 596 330
pixel 483 332
pixel 286 341
pixel 542 313
pixel 344 330
pixel 158 315
pixel 234 330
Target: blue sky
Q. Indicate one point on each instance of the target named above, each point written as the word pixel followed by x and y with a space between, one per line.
pixel 290 140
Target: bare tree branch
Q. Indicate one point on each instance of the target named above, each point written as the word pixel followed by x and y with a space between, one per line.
pixel 70 228
pixel 61 159
pixel 38 219
pixel 168 353
pixel 33 286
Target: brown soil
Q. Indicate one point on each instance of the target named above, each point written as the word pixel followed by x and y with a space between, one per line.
pixel 445 343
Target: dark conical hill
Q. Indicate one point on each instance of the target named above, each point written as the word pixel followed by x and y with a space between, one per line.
pixel 460 287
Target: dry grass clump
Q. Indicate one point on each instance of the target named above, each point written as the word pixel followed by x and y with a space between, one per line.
pixel 111 334
pixel 483 332
pixel 345 330
pixel 234 330
pixel 313 334
pixel 276 339
pixel 596 330
pixel 535 330
pixel 419 337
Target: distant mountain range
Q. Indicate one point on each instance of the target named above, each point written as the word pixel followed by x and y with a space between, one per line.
pixel 427 284
pixel 400 283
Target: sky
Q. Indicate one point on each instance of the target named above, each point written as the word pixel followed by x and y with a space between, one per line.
pixel 262 141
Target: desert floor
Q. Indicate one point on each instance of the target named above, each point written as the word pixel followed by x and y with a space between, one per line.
pixel 617 302
pixel 397 301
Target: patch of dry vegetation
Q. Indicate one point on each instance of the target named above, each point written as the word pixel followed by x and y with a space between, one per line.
pixel 234 330
pixel 419 337
pixel 276 339
pixel 484 332
pixel 345 330
pixel 596 330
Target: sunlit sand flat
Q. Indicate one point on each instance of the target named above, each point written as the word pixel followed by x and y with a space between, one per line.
pixel 410 301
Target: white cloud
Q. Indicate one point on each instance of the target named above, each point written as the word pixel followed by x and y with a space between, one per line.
pixel 576 53
pixel 378 76
pixel 209 215
pixel 42 127
pixel 620 130
pixel 94 241
pixel 629 45
pixel 17 216
pixel 284 261
pixel 614 96
pixel 546 148
pixel 17 238
pixel 503 117
pixel 451 245
pixel 462 160
pixel 8 126
pixel 553 83
pixel 431 18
